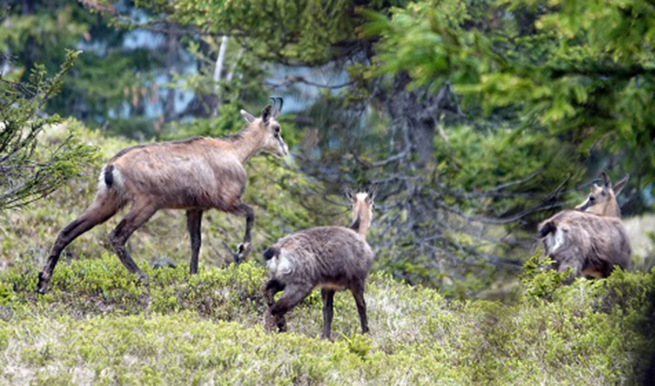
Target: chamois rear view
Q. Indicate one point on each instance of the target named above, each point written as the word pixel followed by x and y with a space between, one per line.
pixel 331 258
pixel 196 175
pixel 591 240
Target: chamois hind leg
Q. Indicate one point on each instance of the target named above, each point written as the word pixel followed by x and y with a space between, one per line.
pixel 358 294
pixel 328 312
pixel 137 216
pixel 244 248
pixel 105 205
pixel 193 220
pixel 293 294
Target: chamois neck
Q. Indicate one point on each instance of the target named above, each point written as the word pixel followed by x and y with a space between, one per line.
pixel 612 209
pixel 248 143
pixel 361 222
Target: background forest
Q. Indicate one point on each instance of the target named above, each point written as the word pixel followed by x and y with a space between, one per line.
pixel 474 121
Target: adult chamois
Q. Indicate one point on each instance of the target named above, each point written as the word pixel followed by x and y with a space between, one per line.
pixel 196 175
pixel 590 239
pixel 332 258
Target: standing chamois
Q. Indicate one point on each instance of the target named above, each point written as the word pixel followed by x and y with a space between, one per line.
pixel 196 175
pixel 331 258
pixel 591 239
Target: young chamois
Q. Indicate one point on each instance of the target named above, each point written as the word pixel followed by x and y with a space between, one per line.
pixel 331 258
pixel 591 239
pixel 195 175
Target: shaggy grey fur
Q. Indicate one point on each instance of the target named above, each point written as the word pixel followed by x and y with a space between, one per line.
pixel 331 258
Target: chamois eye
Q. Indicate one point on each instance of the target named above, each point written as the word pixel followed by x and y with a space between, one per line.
pixel 592 198
pixel 276 129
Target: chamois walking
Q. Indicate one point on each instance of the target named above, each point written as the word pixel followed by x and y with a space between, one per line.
pixel 195 175
pixel 332 258
pixel 590 239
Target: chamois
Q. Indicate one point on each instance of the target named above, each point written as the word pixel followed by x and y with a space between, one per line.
pixel 332 258
pixel 196 175
pixel 590 239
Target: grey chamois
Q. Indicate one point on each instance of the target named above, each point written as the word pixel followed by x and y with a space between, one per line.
pixel 195 175
pixel 591 239
pixel 331 258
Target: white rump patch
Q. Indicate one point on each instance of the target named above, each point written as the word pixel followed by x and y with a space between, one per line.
pixel 280 265
pixel 116 176
pixel 361 196
pixel 555 240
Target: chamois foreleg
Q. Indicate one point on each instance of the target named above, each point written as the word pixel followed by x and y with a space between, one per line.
pixel 269 289
pixel 328 312
pixel 103 208
pixel 576 268
pixel 293 294
pixel 244 248
pixel 193 221
pixel 137 216
pixel 358 294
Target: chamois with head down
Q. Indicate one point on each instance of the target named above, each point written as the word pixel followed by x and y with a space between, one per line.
pixel 331 258
pixel 195 175
pixel 591 239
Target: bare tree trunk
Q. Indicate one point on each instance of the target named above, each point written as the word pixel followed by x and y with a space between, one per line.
pixel 171 55
pixel 220 60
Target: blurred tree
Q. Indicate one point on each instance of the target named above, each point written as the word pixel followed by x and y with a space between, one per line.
pixel 29 170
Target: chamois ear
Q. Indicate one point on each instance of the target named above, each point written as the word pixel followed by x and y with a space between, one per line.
pixel 621 184
pixel 266 114
pixel 348 193
pixel 247 116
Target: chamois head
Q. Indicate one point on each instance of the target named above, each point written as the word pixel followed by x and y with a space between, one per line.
pixel 602 199
pixel 362 210
pixel 269 128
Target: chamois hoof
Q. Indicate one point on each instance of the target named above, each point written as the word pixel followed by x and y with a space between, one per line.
pixel 162 263
pixel 242 252
pixel 42 285
pixel 143 278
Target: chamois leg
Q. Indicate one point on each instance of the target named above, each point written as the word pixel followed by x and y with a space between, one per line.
pixel 193 220
pixel 244 248
pixel 269 289
pixel 328 312
pixel 102 209
pixel 576 267
pixel 293 294
pixel 137 216
pixel 358 294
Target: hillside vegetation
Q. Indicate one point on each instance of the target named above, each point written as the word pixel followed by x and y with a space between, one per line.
pixel 99 325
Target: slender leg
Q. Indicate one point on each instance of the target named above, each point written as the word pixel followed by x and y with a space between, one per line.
pixel 269 289
pixel 244 248
pixel 100 211
pixel 193 220
pixel 358 294
pixel 328 312
pixel 575 266
pixel 293 294
pixel 137 216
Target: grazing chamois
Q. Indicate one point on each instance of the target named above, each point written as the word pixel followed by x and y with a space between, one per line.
pixel 590 239
pixel 332 258
pixel 196 175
